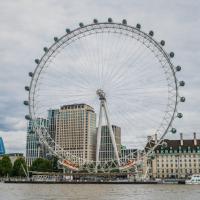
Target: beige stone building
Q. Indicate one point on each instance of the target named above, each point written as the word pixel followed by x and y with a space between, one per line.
pixel 76 130
pixel 176 159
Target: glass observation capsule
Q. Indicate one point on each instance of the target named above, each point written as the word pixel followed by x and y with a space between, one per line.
pixel 182 83
pixel 68 30
pixel 45 49
pixel 171 54
pixel 30 74
pixel 151 33
pixel 162 42
pixel 164 144
pixel 55 39
pixel 81 24
pixel 95 21
pixel 182 99
pixel 178 68
pixel 173 130
pixel 179 115
pixel 110 20
pixel 124 22
pixel 37 61
pixel 27 117
pixel 138 26
pixel 26 103
pixel 27 88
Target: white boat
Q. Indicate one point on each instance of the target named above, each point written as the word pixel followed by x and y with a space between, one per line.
pixel 195 179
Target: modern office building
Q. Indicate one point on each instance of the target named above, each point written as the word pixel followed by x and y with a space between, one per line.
pixel 52 122
pixel 176 159
pixel 128 154
pixel 2 148
pixel 76 131
pixel 106 152
pixel 34 148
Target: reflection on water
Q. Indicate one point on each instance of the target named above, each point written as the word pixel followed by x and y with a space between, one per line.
pixel 98 192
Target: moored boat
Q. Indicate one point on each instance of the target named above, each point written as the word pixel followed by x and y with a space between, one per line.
pixel 195 179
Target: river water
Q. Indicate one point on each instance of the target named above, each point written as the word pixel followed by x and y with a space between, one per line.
pixel 98 192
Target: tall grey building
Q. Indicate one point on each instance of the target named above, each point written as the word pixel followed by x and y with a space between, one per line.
pixel 34 148
pixel 52 114
pixel 76 130
pixel 106 152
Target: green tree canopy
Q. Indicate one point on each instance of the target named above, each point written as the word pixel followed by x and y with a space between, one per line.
pixel 5 166
pixel 41 165
pixel 54 163
pixel 18 166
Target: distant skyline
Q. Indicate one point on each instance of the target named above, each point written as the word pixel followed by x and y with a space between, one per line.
pixel 27 26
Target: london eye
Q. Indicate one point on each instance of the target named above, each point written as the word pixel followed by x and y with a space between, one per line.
pixel 126 78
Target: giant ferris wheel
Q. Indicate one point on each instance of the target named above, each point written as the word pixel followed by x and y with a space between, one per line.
pixel 120 71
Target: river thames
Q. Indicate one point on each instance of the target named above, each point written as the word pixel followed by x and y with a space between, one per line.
pixel 98 192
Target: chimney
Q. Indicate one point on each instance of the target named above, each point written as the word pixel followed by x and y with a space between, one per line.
pixel 181 138
pixel 195 139
pixel 156 138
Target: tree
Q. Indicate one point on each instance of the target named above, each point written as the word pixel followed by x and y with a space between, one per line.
pixel 54 163
pixel 1 173
pixel 18 166
pixel 5 166
pixel 41 165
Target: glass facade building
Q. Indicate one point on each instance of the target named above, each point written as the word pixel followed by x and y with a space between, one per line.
pixel 34 148
pixel 2 148
pixel 106 152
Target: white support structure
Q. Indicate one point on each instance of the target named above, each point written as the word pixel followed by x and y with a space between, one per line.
pixel 103 106
pixel 99 133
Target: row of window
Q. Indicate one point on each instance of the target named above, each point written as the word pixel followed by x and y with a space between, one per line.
pixel 185 160
pixel 180 165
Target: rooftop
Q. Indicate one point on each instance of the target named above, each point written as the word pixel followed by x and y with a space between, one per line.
pixel 76 106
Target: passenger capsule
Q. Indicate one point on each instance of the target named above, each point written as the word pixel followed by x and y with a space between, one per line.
pixel 37 61
pixel 30 74
pixel 171 54
pixel 81 24
pixel 138 26
pixel 45 49
pixel 68 30
pixel 173 130
pixel 124 22
pixel 26 103
pixel 151 33
pixel 95 21
pixel 179 115
pixel 182 83
pixel 55 39
pixel 164 144
pixel 162 42
pixel 182 99
pixel 27 88
pixel 110 20
pixel 27 117
pixel 178 68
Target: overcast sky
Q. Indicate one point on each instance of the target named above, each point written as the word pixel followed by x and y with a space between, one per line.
pixel 27 26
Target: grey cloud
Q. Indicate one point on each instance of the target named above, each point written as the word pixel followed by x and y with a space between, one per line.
pixel 27 26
